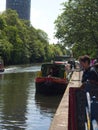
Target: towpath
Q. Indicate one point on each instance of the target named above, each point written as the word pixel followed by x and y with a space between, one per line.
pixel 60 120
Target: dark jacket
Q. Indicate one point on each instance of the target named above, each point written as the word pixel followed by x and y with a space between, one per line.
pixel 90 75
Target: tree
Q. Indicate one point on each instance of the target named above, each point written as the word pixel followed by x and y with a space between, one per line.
pixel 77 25
pixel 5 50
pixel 21 43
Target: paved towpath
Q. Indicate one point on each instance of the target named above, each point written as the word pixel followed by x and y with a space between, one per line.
pixel 60 120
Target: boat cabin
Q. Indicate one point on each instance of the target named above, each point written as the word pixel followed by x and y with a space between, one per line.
pixel 53 70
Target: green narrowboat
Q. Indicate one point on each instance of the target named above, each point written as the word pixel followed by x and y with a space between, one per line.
pixel 51 79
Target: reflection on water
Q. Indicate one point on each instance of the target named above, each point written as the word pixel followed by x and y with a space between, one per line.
pixel 47 104
pixel 20 107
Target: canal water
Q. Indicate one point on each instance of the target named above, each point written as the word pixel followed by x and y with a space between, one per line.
pixel 20 107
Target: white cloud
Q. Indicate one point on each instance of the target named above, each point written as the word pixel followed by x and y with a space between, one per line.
pixel 2 5
pixel 35 14
pixel 42 20
pixel 43 15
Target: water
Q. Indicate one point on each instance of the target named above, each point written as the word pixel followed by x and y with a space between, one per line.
pixel 20 107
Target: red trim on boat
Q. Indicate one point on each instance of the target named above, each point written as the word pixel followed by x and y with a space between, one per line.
pixel 51 79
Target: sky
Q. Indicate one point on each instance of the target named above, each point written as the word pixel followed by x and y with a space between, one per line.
pixel 43 14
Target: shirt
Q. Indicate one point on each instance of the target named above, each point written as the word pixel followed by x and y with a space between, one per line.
pixel 90 74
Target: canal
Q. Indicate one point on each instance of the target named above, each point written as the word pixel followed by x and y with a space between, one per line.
pixel 20 107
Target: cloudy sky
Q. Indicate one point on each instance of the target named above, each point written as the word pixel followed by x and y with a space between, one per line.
pixel 43 14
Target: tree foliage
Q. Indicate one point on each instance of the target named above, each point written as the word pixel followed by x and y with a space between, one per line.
pixel 21 43
pixel 77 26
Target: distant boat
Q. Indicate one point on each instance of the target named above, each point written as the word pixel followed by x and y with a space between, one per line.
pixel 65 59
pixel 51 79
pixel 61 59
pixel 1 66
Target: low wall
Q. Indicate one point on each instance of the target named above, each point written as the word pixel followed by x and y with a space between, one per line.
pixel 60 120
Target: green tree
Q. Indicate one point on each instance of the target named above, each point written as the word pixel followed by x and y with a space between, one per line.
pixel 77 26
pixel 5 50
pixel 21 43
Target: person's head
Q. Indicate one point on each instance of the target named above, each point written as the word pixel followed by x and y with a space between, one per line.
pixel 85 61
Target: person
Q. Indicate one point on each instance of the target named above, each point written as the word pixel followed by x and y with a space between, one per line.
pixel 50 74
pixel 89 72
pixel 72 63
pixel 96 67
pixel 92 62
pixel 96 60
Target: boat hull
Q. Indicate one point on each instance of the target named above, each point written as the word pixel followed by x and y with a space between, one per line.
pixel 50 85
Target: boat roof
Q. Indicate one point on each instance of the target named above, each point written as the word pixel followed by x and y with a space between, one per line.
pixel 62 58
pixel 52 64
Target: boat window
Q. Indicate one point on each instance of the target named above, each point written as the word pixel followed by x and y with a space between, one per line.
pixel 53 70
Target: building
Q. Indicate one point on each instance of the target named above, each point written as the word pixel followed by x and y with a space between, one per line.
pixel 21 6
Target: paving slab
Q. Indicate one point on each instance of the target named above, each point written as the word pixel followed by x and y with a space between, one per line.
pixel 60 120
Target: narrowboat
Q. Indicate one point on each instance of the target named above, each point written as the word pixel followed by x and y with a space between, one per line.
pixel 83 107
pixel 51 79
pixel 65 59
pixel 61 59
pixel 1 66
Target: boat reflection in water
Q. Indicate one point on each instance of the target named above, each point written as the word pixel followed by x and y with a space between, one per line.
pixel 20 107
pixel 47 104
